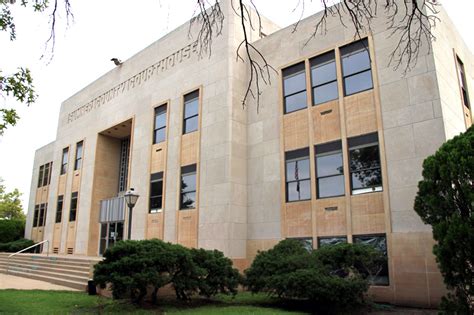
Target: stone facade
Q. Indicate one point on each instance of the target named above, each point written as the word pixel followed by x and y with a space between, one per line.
pixel 239 153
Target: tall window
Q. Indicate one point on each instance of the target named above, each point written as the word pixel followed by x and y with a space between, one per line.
pixel 294 88
pixel 73 209
pixel 36 215
pixel 40 176
pixel 156 192
pixel 188 187
pixel 59 209
pixel 298 183
pixel 364 164
pixel 46 175
pixel 329 170
pixel 159 134
pixel 324 78
pixel 463 83
pixel 356 70
pixel 191 112
pixel 379 242
pixel 64 161
pixel 42 214
pixel 78 161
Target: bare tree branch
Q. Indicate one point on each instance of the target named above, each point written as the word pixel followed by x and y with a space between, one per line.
pixel 211 23
pixel 51 41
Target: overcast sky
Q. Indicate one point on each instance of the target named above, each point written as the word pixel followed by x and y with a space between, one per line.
pixel 103 29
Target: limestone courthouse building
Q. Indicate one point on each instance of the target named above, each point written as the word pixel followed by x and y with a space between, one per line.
pixel 333 154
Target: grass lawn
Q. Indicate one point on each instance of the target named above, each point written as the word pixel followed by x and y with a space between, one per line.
pixel 66 302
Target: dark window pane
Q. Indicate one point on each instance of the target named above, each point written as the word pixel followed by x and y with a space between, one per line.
pixel 46 175
pixel 300 190
pixel 331 186
pixel 358 83
pixel 160 135
pixel 380 244
pixel 328 241
pixel 295 102
pixel 325 93
pixel 188 183
pixel 355 62
pixel 160 120
pixel 191 108
pixel 363 158
pixel 156 203
pixel 324 73
pixel 156 188
pixel 294 83
pixel 188 200
pixel 191 124
pixel 40 176
pixel 327 165
pixel 79 150
pixel 367 178
pixel 306 242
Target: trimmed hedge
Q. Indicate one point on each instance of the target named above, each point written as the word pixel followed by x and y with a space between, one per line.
pixel 331 278
pixel 134 267
pixel 15 246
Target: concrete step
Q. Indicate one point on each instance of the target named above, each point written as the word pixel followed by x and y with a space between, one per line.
pixel 64 264
pixel 56 269
pixel 59 258
pixel 83 278
pixel 79 285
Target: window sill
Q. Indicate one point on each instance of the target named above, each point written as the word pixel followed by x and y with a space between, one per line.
pixel 297 110
pixel 295 201
pixel 360 192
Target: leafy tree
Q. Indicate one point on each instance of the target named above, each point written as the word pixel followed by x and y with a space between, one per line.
pixel 11 230
pixel 445 200
pixel 15 246
pixel 330 278
pixel 10 204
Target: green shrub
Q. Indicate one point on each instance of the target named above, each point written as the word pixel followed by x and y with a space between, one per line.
pixel 133 267
pixel 15 246
pixel 329 278
pixel 11 230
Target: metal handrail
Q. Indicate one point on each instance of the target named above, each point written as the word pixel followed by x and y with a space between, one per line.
pixel 25 249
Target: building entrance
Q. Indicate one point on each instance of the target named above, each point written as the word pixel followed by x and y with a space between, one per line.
pixel 110 233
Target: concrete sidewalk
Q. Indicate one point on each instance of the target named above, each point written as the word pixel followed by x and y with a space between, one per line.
pixel 19 283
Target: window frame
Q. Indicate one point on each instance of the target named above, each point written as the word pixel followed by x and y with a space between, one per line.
pixel 157 111
pixel 42 214
pixel 329 153
pixel 40 176
pixel 187 170
pixel 314 64
pixel 303 156
pixel 463 83
pixel 78 158
pixel 373 143
pixel 159 178
pixel 332 237
pixel 64 164
pixel 74 201
pixel 36 215
pixel 59 210
pixel 293 73
pixel 187 101
pixel 358 236
pixel 365 43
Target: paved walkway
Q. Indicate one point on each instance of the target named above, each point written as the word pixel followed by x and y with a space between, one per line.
pixel 19 283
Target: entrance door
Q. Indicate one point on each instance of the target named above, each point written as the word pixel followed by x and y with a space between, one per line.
pixel 110 233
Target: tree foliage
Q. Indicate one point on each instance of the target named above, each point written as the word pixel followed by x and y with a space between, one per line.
pixel 11 230
pixel 329 278
pixel 445 200
pixel 134 267
pixel 10 204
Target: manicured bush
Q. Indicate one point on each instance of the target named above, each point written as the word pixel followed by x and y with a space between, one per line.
pixel 11 230
pixel 15 246
pixel 331 277
pixel 133 267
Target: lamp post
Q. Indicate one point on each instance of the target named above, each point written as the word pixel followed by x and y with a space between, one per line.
pixel 131 199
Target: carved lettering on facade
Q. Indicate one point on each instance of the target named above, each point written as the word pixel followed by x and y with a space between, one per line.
pixel 138 79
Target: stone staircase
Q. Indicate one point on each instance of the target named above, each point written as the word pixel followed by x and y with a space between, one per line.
pixel 69 272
